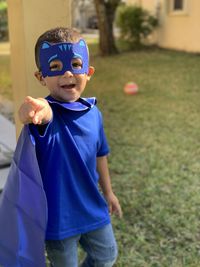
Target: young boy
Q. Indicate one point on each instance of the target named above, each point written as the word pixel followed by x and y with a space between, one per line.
pixel 72 151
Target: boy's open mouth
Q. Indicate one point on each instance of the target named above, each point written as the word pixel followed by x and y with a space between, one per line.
pixel 68 86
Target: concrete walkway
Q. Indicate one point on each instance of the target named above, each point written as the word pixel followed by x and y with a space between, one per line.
pixel 7 129
pixel 7 138
pixel 7 147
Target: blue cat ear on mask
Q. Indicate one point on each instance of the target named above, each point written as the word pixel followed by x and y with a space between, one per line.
pixel 65 53
pixel 82 43
pixel 45 45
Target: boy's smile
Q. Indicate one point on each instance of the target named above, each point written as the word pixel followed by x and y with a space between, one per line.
pixel 68 86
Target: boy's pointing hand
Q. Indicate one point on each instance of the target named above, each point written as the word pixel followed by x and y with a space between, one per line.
pixel 35 110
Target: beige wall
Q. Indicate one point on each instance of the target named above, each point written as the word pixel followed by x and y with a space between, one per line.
pixel 178 30
pixel 27 20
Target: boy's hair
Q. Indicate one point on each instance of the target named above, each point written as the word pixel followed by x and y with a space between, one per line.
pixel 56 35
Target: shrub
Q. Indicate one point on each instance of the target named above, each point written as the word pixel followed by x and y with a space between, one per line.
pixel 135 23
pixel 3 21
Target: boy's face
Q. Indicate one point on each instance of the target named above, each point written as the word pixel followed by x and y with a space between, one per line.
pixel 64 69
pixel 67 87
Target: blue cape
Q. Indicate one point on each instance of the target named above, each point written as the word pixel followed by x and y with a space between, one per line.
pixel 23 209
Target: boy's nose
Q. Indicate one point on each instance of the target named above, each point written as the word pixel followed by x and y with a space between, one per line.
pixel 68 74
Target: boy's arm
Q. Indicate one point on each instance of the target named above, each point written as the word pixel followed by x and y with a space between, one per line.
pixel 35 110
pixel 105 183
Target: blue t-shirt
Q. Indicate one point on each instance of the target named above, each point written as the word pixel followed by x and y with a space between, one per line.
pixel 66 152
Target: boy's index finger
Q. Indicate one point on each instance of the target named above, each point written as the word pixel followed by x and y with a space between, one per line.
pixel 35 103
pixel 31 101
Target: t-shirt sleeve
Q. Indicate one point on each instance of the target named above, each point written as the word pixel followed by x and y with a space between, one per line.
pixel 103 148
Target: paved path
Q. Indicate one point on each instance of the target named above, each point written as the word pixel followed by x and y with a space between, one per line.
pixel 7 147
pixel 7 128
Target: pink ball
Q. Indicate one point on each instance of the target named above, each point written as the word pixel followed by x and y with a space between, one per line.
pixel 131 88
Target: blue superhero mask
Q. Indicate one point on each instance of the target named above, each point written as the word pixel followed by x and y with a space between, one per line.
pixel 64 53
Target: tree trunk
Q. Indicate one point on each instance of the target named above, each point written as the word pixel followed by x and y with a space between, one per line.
pixel 105 14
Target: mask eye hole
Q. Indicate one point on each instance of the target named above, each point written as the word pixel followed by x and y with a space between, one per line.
pixel 76 64
pixel 56 65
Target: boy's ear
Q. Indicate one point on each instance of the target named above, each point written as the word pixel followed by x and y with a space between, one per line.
pixel 91 71
pixel 40 78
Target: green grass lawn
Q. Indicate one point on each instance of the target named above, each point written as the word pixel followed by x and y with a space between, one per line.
pixel 5 77
pixel 155 153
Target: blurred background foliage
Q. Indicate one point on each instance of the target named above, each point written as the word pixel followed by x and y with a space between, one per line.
pixel 3 21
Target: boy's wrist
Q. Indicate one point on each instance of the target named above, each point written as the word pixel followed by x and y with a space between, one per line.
pixel 48 116
pixel 108 193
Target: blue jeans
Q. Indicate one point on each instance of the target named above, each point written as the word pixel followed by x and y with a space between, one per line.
pixel 100 246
